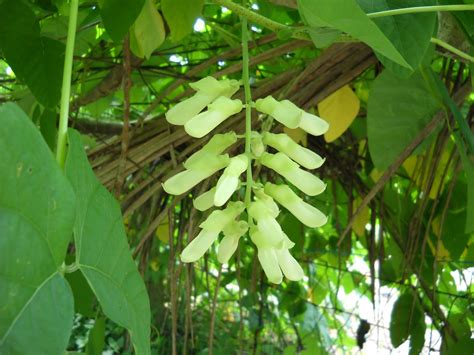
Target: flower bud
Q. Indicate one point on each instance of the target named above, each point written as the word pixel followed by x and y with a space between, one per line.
pixel 198 246
pixel 288 264
pixel 219 219
pixel 229 180
pixel 217 112
pixel 268 201
pixel 205 201
pixel 256 144
pixel 313 124
pixel 301 155
pixel 267 257
pixel 208 89
pixel 187 179
pixel 272 233
pixel 228 245
pixel 216 145
pixel 303 180
pixel 307 214
pixel 284 111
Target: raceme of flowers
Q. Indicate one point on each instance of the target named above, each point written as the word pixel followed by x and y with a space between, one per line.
pixel 262 226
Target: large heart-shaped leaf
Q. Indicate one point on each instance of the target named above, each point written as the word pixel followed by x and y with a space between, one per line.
pixel 398 109
pixel 409 33
pixel 37 61
pixel 102 252
pixel 347 16
pixel 36 219
pixel 119 15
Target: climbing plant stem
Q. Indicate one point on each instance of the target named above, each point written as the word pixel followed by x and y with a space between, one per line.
pixel 420 9
pixel 66 86
pixel 248 108
pixel 452 49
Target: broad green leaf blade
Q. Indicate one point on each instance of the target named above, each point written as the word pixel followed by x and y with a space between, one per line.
pixel 469 168
pixel 398 109
pixel 408 320
pixel 96 341
pixel 36 220
pixel 102 251
pixel 410 33
pixel 347 16
pixel 148 31
pixel 37 61
pixel 180 16
pixel 119 15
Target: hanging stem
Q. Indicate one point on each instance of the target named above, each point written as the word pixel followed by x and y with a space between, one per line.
pixel 421 9
pixel 248 108
pixel 452 49
pixel 66 87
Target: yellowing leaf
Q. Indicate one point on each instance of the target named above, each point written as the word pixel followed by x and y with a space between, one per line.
pixel 154 264
pixel 339 109
pixel 148 31
pixel 297 134
pixel 361 219
pixel 375 175
pixel 163 232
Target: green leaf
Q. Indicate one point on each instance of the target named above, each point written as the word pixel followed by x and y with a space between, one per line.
pixel 36 219
pixel 410 33
pixel 102 252
pixel 37 61
pixel 180 16
pixel 148 31
pixel 348 17
pixel 119 15
pixel 408 320
pixel 48 128
pixel 96 341
pixel 398 109
pixel 83 295
pixel 469 169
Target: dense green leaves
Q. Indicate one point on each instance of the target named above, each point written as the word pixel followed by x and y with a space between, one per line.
pixel 36 218
pixel 102 252
pixel 181 15
pixel 408 321
pixel 119 15
pixel 36 60
pixel 347 16
pixel 410 33
pixel 397 111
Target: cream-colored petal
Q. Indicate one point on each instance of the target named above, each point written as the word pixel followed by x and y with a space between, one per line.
pixel 269 261
pixel 268 202
pixel 185 180
pixel 303 156
pixel 216 87
pixel 289 265
pixel 284 111
pixel 313 124
pixel 225 187
pixel 285 196
pixel 256 144
pixel 205 201
pixel 182 112
pixel 228 245
pixel 303 180
pixel 308 183
pixel 216 145
pixel 217 112
pixel 219 219
pixel 198 246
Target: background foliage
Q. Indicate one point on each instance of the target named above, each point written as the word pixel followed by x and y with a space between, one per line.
pixel 399 168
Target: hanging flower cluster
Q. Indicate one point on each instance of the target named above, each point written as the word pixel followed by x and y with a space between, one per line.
pixel 266 233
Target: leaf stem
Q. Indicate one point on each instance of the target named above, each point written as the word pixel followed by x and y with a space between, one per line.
pixel 66 87
pixel 421 9
pixel 452 49
pixel 248 108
